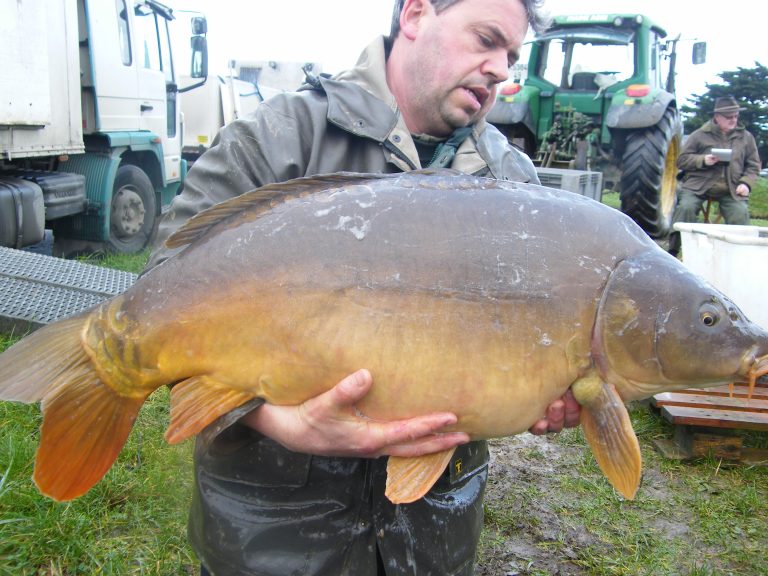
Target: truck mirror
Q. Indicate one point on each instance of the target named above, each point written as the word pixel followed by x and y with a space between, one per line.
pixel 199 26
pixel 699 52
pixel 199 57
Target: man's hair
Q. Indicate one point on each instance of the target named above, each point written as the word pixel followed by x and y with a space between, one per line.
pixel 538 20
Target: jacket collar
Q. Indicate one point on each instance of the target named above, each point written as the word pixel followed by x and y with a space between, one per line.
pixel 710 126
pixel 360 102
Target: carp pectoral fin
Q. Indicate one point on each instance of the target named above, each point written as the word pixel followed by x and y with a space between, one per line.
pixel 408 479
pixel 609 432
pixel 198 401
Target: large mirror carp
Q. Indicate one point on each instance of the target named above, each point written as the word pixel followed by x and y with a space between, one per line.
pixel 484 298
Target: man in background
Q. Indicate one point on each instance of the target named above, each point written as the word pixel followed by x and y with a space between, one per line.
pixel 719 162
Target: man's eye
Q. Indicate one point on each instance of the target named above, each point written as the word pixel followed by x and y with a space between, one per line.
pixel 486 41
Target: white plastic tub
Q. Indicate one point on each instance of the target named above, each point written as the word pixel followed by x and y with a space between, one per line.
pixel 734 259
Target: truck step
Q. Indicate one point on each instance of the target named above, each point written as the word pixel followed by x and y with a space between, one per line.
pixel 36 289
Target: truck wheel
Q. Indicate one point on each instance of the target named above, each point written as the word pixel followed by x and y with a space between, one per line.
pixel 133 211
pixel 648 178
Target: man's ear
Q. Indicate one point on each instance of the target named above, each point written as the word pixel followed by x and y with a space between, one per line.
pixel 411 15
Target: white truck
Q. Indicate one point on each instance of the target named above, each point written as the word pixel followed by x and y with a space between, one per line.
pixel 90 123
pixel 228 97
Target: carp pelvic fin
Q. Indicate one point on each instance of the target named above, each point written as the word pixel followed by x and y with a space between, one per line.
pixel 609 432
pixel 198 401
pixel 85 423
pixel 408 479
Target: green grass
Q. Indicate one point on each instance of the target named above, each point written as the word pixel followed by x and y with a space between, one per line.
pixel 758 202
pixel 693 518
pixel 127 262
pixel 133 522
pixel 6 340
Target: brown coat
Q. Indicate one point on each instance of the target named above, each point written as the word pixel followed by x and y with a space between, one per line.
pixel 742 169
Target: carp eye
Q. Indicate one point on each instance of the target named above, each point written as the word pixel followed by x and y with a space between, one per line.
pixel 709 316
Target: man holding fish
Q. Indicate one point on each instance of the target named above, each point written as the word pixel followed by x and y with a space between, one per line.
pixel 477 303
pixel 262 504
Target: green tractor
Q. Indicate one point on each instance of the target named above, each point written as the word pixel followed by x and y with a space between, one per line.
pixel 599 95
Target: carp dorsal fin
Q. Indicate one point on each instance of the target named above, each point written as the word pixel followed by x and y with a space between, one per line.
pixel 260 200
pixel 408 479
pixel 198 401
pixel 609 433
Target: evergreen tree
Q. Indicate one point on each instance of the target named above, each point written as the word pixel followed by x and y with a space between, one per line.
pixel 750 88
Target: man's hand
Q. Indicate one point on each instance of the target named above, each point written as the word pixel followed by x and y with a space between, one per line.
pixel 710 159
pixel 742 190
pixel 564 412
pixel 330 425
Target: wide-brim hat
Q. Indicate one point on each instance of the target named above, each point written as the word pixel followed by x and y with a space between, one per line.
pixel 727 105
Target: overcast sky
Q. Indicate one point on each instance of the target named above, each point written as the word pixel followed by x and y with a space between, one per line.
pixel 333 32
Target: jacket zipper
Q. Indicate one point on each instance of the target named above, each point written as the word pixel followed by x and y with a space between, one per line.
pixel 399 153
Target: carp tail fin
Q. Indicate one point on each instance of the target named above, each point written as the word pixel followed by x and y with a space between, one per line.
pixel 408 479
pixel 197 402
pixel 609 432
pixel 23 376
pixel 85 423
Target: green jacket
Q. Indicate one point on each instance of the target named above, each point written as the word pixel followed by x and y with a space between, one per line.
pixel 258 508
pixel 742 169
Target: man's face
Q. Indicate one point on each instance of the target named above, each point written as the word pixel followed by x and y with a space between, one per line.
pixel 727 122
pixel 456 60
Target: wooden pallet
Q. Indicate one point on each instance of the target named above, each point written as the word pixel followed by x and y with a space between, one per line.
pixel 706 420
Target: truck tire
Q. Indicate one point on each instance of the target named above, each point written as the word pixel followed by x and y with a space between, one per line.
pixel 133 211
pixel 649 174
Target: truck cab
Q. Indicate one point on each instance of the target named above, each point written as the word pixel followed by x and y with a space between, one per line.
pixel 95 125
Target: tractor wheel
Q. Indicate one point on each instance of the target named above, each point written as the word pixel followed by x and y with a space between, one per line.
pixel 649 174
pixel 133 212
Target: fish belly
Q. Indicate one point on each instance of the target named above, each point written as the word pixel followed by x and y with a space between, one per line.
pixel 493 364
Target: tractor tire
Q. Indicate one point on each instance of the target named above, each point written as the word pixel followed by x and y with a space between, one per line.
pixel 649 174
pixel 133 213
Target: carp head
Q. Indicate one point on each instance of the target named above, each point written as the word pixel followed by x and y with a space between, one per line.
pixel 660 327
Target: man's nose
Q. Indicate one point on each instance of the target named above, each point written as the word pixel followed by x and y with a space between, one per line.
pixel 496 66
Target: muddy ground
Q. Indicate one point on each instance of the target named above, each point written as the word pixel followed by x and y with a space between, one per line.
pixel 522 468
pixel 532 527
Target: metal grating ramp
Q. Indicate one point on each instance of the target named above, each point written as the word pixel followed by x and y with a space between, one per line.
pixel 36 289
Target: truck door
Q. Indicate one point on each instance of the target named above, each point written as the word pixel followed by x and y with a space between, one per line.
pixel 129 81
pixel 109 74
pixel 157 82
